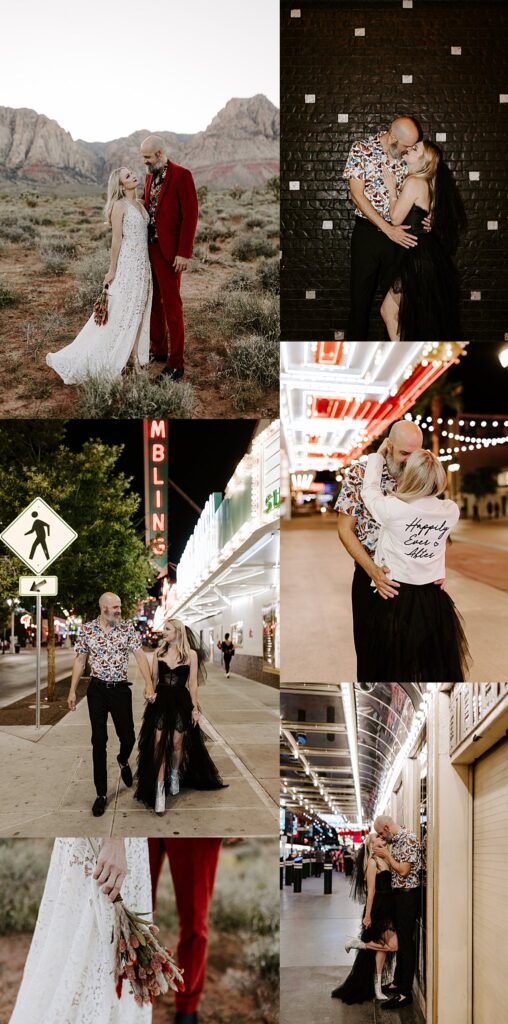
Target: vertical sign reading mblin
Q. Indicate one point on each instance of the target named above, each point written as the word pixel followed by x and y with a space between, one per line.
pixel 155 437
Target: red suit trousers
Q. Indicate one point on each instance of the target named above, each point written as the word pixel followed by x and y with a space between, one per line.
pixel 193 864
pixel 167 330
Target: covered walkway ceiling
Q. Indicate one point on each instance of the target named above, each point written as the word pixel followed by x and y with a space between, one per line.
pixel 328 768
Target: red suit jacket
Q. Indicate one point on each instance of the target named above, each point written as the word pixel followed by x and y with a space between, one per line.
pixel 176 215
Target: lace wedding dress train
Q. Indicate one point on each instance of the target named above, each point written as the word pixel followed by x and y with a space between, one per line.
pixel 68 977
pixel 106 349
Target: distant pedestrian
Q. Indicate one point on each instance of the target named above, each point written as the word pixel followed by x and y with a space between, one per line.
pixel 490 509
pixel 496 510
pixel 476 512
pixel 228 650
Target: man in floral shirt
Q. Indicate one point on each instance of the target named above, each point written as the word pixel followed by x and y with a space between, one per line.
pixel 358 532
pixel 404 858
pixel 374 241
pixel 107 642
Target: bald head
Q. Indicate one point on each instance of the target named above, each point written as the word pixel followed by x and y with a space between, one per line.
pixel 385 826
pixel 405 130
pixel 405 437
pixel 110 607
pixel 153 151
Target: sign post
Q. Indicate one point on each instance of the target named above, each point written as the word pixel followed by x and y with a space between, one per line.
pixel 48 537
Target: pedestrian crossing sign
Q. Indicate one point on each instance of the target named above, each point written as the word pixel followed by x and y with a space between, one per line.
pixel 38 536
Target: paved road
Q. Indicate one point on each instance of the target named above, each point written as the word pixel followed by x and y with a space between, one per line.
pixel 317 631
pixel 46 786
pixel 17 673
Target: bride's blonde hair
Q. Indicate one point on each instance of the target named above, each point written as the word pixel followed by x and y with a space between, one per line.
pixel 181 643
pixel 427 168
pixel 424 476
pixel 115 191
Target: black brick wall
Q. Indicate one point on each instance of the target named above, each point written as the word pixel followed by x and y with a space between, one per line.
pixel 362 77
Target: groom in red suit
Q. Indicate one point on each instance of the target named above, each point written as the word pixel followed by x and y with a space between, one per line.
pixel 193 864
pixel 171 201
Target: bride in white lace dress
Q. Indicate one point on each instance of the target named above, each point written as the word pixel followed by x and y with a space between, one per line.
pixel 68 977
pixel 125 338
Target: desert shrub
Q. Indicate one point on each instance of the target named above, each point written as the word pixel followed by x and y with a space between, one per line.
pixel 272 230
pixel 236 313
pixel 219 230
pixel 268 276
pixel 64 246
pixel 202 233
pixel 236 192
pixel 273 187
pixel 241 282
pixel 54 261
pixel 254 359
pixel 255 222
pixel 47 329
pixel 17 229
pixel 90 273
pixel 31 198
pixel 213 247
pixel 135 395
pixel 249 247
pixel 202 193
pixel 46 221
pixel 23 870
pixel 8 295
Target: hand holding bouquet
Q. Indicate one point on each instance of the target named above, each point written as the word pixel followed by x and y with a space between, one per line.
pixel 139 957
pixel 100 309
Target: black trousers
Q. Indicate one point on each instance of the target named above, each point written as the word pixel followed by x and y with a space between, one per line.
pixel 227 661
pixel 407 912
pixel 362 596
pixel 102 701
pixel 372 260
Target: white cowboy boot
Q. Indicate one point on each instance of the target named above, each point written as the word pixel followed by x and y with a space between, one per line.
pixel 377 987
pixel 354 944
pixel 174 786
pixel 160 798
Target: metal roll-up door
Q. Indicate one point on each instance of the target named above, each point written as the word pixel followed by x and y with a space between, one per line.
pixel 490 887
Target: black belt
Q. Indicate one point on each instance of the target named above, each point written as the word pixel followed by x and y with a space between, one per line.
pixel 109 684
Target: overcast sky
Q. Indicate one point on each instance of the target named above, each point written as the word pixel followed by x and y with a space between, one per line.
pixel 105 68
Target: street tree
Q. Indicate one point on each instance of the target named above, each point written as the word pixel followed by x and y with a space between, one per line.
pixel 88 491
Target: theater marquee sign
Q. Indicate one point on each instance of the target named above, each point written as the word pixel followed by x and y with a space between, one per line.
pixel 155 438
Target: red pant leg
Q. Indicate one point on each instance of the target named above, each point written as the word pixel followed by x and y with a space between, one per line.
pixel 159 338
pixel 168 283
pixel 193 864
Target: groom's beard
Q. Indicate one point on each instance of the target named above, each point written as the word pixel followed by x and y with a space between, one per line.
pixel 153 168
pixel 394 469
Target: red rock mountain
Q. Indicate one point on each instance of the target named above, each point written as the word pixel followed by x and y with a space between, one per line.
pixel 239 147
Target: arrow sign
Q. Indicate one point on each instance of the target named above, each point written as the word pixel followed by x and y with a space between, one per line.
pixel 47 586
pixel 38 536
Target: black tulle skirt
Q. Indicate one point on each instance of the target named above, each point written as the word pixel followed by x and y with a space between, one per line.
pixel 170 712
pixel 416 637
pixel 358 987
pixel 428 282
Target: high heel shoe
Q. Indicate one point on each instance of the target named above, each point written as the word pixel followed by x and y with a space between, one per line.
pixel 160 798
pixel 354 944
pixel 174 786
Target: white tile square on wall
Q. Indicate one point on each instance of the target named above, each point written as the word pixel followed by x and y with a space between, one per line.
pixel 310 97
pixel 343 118
pixel 310 295
pixel 294 186
pixel 407 79
pixel 474 175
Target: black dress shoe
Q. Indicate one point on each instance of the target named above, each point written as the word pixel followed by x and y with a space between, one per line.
pixel 99 806
pixel 390 990
pixel 397 1002
pixel 171 372
pixel 186 1018
pixel 126 773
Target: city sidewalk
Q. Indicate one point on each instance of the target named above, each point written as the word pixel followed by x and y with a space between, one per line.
pixel 314 928
pixel 317 629
pixel 46 787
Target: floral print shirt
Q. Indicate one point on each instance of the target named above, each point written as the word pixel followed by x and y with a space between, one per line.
pixel 406 849
pixel 365 162
pixel 108 649
pixel 153 198
pixel 350 502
